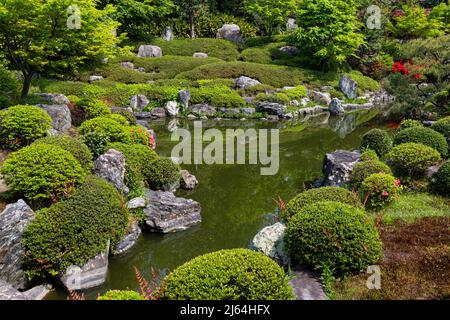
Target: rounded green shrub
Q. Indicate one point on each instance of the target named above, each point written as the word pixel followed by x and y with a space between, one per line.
pixel 320 194
pixel 237 274
pixel 121 295
pixel 137 158
pixel 380 189
pixel 42 172
pixel 21 125
pixel 75 230
pixel 109 127
pixel 333 236
pixel 409 123
pixel 96 142
pixel 378 140
pixel 442 179
pixel 119 119
pixel 161 173
pixel 76 147
pixel 412 159
pixel 425 136
pixel 442 126
pixel 128 115
pixel 369 155
pixel 365 169
pixel 93 108
pixel 140 135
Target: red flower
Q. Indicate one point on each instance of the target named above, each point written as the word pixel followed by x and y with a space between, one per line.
pixel 399 67
pixel 417 76
pixel 385 194
pixel 397 183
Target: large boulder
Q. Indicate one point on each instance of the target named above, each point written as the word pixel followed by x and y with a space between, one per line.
pixel 322 97
pixel 139 102
pixel 129 240
pixel 188 181
pixel 270 241
pixel 271 108
pixel 166 213
pixel 38 292
pixel 158 113
pixel 13 221
pixel 200 55
pixel 231 32
pixel 167 34
pixel 111 167
pixel 60 114
pixel 336 107
pixel 290 50
pixel 349 87
pixel 172 108
pixel 338 167
pixel 51 98
pixel 184 96
pixel 246 82
pixel 90 275
pixel 8 292
pixel 149 51
pixel 202 109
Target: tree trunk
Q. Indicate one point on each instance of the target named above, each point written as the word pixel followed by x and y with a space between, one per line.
pixel 27 77
pixel 191 22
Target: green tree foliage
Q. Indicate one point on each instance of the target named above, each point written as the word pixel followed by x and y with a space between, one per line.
pixel 38 36
pixel 327 31
pixel 271 15
pixel 191 9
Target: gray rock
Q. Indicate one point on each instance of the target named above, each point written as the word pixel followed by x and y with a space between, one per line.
pixel 304 102
pixel 231 32
pixel 311 111
pixel 291 24
pixel 273 109
pixel 203 109
pixel 52 132
pixel 172 108
pixel 248 111
pixel 338 167
pixel 349 87
pixel 90 275
pixel 60 114
pixel 54 98
pixel 184 96
pixel 167 34
pixel 13 221
pixel 95 78
pixel 295 103
pixel 326 88
pixel 289 116
pixel 127 65
pixel 273 118
pixel 8 292
pixel 322 97
pixel 140 69
pixel 270 241
pixel 139 102
pixel 39 292
pixel 355 106
pixel 158 113
pixel 431 171
pixel 142 115
pixel 136 203
pixel 200 55
pixel 336 107
pixel 111 167
pixel 290 50
pixel 246 82
pixel 428 123
pixel 230 111
pixel 129 240
pixel 191 117
pixel 306 285
pixel 167 213
pixel 149 51
pixel 188 181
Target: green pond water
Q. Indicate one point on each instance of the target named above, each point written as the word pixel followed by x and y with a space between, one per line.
pixel 236 200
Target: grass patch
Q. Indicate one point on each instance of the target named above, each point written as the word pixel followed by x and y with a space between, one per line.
pixel 410 207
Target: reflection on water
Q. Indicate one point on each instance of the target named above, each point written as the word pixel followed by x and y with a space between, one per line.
pixel 236 200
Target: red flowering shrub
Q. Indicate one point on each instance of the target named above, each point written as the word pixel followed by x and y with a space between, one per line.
pixel 140 135
pixel 379 190
pixel 399 67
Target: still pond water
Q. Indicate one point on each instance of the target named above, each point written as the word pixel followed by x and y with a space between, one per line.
pixel 236 200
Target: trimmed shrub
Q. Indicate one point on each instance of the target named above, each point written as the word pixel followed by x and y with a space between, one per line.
pixel 93 108
pixel 312 196
pixel 380 189
pixel 425 136
pixel 77 148
pixel 137 158
pixel 161 173
pixel 218 96
pixel 42 172
pixel 119 119
pixel 412 159
pixel 279 98
pixel 21 125
pixel 409 123
pixel 121 295
pixel 109 127
pixel 127 115
pixel 369 155
pixel 334 237
pixel 378 140
pixel 256 55
pixel 96 142
pixel 365 169
pixel 140 135
pixel 442 126
pixel 75 230
pixel 295 93
pixel 237 274
pixel 442 179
